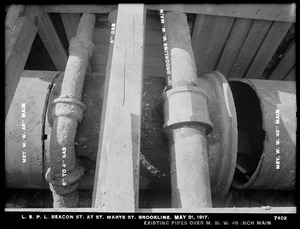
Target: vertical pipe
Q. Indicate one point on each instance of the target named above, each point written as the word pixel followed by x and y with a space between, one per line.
pixel 186 121
pixel 64 172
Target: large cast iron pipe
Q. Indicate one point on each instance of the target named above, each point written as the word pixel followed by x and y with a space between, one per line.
pixel 186 121
pixel 64 171
pixel 266 112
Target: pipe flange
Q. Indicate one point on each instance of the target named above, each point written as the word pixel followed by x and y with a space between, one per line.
pixel 63 99
pixel 186 105
pixel 222 141
pixel 69 107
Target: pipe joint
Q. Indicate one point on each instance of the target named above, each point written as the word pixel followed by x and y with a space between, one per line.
pixel 186 105
pixel 67 184
pixel 82 45
pixel 68 107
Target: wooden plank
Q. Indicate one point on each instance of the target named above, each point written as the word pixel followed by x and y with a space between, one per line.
pixel 118 191
pixel 208 39
pixel 52 42
pixel 17 51
pixel 273 12
pixel 285 64
pixel 256 35
pixel 101 35
pixel 150 50
pixel 291 76
pixel 101 47
pixel 79 8
pixel 267 49
pixel 71 22
pixel 234 45
pixel 153 22
pixel 149 61
pixel 153 37
pixel 154 72
pixel 14 11
pixel 154 51
pixel 100 68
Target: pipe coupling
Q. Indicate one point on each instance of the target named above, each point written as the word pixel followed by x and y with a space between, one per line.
pixel 186 105
pixel 82 45
pixel 70 180
pixel 68 107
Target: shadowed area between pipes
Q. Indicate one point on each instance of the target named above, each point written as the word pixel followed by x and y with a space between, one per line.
pixel 64 172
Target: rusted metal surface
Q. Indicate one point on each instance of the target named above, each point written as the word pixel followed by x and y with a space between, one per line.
pixel 67 111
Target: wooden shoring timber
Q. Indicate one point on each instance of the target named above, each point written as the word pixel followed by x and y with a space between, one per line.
pixel 71 22
pixel 266 50
pixel 291 76
pixel 285 65
pixel 13 12
pixel 52 42
pixel 18 49
pixel 96 9
pixel 234 45
pixel 254 38
pixel 117 168
pixel 273 12
pixel 208 40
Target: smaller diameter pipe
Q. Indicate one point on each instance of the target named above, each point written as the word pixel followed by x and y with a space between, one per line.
pixel 64 172
pixel 189 168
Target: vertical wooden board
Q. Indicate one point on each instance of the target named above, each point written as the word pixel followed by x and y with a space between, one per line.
pixel 52 42
pixel 291 76
pixel 123 92
pixel 101 35
pixel 100 68
pixel 149 61
pixel 208 39
pixel 17 50
pixel 285 64
pixel 154 51
pixel 16 56
pixel 234 45
pixel 100 55
pixel 273 12
pixel 153 37
pixel 270 44
pixel 256 35
pixel 99 58
pixel 101 47
pixel 153 22
pixel 13 12
pixel 101 41
pixel 154 72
